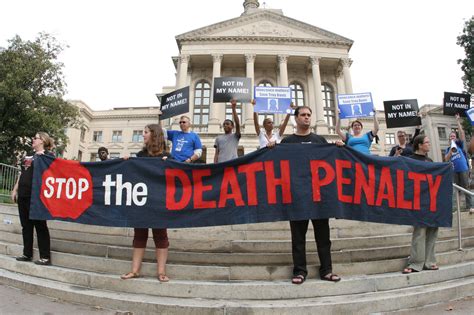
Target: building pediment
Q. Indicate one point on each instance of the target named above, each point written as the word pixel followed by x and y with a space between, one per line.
pixel 263 24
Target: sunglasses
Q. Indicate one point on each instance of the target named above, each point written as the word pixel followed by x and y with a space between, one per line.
pixel 183 122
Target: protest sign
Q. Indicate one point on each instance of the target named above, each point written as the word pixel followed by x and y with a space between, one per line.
pixel 267 185
pixel 175 103
pixel 455 103
pixel 270 99
pixel 355 105
pixel 470 115
pixel 401 113
pixel 227 88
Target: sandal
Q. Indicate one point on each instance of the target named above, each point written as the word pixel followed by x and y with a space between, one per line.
pixel 331 277
pixel 163 278
pixel 130 275
pixel 432 267
pixel 298 279
pixel 409 270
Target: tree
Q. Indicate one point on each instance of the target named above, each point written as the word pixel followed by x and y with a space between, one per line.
pixel 466 41
pixel 32 87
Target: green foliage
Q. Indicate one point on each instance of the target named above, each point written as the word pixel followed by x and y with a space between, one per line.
pixel 466 41
pixel 31 95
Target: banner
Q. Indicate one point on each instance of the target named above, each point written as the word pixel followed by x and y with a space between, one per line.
pixel 270 99
pixel 227 88
pixel 175 103
pixel 355 105
pixel 470 115
pixel 289 182
pixel 402 113
pixel 455 103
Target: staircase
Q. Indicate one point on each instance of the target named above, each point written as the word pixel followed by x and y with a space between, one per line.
pixel 240 269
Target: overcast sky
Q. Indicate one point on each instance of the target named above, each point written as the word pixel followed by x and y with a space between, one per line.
pixel 120 50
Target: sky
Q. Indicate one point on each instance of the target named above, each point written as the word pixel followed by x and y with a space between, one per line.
pixel 119 51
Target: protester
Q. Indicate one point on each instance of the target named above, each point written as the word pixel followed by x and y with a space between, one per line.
pixel 187 146
pixel 456 154
pixel 155 146
pixel 103 153
pixel 422 254
pixel 303 134
pixel 266 135
pixel 359 141
pixel 227 144
pixel 21 194
pixel 403 148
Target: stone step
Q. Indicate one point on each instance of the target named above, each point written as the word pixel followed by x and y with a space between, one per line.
pixel 412 296
pixel 239 258
pixel 232 272
pixel 239 290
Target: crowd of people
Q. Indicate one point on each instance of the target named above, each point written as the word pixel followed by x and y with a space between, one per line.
pixel 187 148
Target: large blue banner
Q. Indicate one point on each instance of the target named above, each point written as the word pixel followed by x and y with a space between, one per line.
pixel 289 182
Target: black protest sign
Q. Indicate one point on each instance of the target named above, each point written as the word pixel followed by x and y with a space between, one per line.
pixel 227 88
pixel 175 103
pixel 401 113
pixel 455 103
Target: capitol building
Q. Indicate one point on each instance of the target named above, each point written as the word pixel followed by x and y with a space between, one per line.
pixel 272 50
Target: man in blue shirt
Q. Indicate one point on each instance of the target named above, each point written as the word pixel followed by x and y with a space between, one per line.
pixel 455 154
pixel 187 146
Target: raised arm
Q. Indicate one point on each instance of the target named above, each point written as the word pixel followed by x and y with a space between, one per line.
pixel 338 127
pixel 233 102
pixel 462 135
pixel 376 124
pixel 281 131
pixel 255 119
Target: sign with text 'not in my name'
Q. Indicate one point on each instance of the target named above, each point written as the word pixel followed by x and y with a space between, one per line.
pixel 271 99
pixel 455 103
pixel 227 88
pixel 401 113
pixel 175 103
pixel 355 105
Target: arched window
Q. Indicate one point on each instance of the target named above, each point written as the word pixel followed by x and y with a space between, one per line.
pixel 297 94
pixel 329 108
pixel 261 117
pixel 202 101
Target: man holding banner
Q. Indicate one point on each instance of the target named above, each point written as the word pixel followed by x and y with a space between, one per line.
pixel 226 145
pixel 187 146
pixel 303 134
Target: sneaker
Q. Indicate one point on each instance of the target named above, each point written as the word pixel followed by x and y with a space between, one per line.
pixel 43 262
pixel 23 258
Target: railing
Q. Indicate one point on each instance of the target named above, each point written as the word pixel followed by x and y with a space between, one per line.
pixel 8 176
pixel 458 202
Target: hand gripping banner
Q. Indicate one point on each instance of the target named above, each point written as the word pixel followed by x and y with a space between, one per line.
pixel 289 182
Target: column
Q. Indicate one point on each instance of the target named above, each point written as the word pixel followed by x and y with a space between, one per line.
pixel 346 63
pixel 283 67
pixel 319 106
pixel 247 109
pixel 217 109
pixel 183 71
pixel 340 81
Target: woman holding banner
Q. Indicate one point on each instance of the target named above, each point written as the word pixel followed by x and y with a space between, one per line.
pixel 358 140
pixel 155 146
pixel 21 193
pixel 422 254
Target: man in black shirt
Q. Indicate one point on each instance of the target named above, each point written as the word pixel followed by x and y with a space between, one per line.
pixel 303 134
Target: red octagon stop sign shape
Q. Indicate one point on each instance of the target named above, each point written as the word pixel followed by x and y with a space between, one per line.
pixel 66 189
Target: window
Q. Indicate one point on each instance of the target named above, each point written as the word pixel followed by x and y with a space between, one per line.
pixel 117 136
pixel 329 108
pixel 262 117
pixel 94 157
pixel 228 111
pixel 202 100
pixel 83 133
pixel 115 155
pixel 442 133
pixel 297 94
pixel 79 155
pixel 389 138
pixel 97 136
pixel 133 155
pixel 137 136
